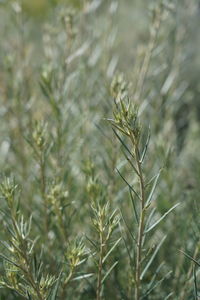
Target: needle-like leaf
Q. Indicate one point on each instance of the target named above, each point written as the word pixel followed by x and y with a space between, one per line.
pixel 159 220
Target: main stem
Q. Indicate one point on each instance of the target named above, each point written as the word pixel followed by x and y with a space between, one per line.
pixel 66 282
pixel 99 280
pixel 141 220
pixel 140 229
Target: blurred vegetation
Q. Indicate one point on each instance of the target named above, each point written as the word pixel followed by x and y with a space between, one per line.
pixel 86 87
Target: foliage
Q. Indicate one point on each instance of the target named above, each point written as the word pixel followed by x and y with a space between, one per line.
pixel 99 145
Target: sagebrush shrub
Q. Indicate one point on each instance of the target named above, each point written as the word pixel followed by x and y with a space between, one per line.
pixel 99 144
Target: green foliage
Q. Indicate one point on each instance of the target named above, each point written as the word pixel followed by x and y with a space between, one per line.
pixel 99 150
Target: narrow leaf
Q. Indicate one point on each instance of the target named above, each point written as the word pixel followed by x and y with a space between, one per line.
pixel 10 261
pixel 155 275
pixel 129 231
pixel 94 245
pixel 152 257
pixel 122 142
pixel 145 147
pixel 132 189
pixel 159 220
pixel 134 208
pixel 190 257
pixel 54 291
pixel 130 162
pixel 156 284
pixel 168 296
pixel 113 123
pixel 153 189
pixel 148 221
pixel 28 295
pixel 127 249
pixel 111 250
pixel 82 276
pixel 109 271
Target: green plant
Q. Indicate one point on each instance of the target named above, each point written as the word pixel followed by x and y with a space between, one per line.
pixel 88 215
pixel 134 149
pixel 23 270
